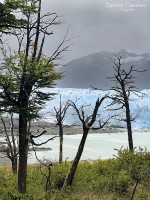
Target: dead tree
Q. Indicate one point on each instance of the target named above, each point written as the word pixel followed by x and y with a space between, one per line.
pixel 33 136
pixel 45 169
pixel 87 123
pixel 60 115
pixel 123 87
pixel 45 165
pixel 12 150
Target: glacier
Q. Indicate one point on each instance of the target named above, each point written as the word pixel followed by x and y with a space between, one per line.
pixel 139 106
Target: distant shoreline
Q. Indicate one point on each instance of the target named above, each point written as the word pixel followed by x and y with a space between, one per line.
pixel 53 129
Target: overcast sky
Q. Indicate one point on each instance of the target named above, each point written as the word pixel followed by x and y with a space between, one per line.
pixel 98 27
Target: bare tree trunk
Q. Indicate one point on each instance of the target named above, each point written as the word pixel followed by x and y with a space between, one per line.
pixel 23 152
pixel 87 123
pixel 128 118
pixel 60 115
pixel 123 87
pixel 14 159
pixel 61 144
pixel 12 150
pixel 14 164
pixel 132 196
pixel 129 127
pixel 73 168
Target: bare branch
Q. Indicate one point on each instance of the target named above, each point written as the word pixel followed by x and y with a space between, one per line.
pixel 39 144
pixel 101 125
pixel 59 49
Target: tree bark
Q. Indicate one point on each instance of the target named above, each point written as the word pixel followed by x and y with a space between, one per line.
pixel 128 118
pixel 129 127
pixel 23 152
pixel 14 164
pixel 61 144
pixel 73 168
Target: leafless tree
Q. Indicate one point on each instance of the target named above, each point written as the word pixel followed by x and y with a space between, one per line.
pixel 60 115
pixel 45 169
pixel 11 150
pixel 87 124
pixel 123 87
pixel 32 136
pixel 45 165
pixel 11 140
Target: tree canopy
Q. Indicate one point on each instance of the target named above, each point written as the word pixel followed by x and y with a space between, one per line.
pixel 37 75
pixel 8 15
pixel 25 72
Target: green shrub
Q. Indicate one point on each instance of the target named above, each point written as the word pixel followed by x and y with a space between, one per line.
pixel 137 164
pixel 58 175
pixel 11 196
pixel 120 183
pixel 112 179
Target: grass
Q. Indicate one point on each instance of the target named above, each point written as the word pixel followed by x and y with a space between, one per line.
pixel 112 179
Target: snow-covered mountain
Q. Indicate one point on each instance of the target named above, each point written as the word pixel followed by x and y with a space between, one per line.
pixel 87 97
pixel 92 70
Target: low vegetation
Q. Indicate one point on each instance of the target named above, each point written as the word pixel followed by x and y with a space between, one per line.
pixel 125 177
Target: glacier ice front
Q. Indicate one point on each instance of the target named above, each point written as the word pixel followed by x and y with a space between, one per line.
pixel 140 107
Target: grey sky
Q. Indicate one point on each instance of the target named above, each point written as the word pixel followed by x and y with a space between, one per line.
pixel 99 28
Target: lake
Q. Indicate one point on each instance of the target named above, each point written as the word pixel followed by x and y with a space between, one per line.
pixel 97 145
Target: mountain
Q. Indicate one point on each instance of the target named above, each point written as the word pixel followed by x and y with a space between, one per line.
pixel 92 70
pixel 140 107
